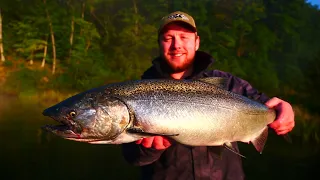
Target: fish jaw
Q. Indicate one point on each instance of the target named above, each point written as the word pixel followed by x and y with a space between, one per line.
pixel 66 133
pixel 63 131
pixel 69 127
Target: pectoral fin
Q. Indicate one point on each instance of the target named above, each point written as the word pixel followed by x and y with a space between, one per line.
pixel 141 132
pixel 260 141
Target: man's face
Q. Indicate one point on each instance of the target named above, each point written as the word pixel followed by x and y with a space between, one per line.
pixel 178 46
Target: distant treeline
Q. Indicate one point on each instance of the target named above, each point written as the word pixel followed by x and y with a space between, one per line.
pixel 79 44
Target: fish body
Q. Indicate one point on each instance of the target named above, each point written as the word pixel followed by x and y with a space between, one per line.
pixel 192 112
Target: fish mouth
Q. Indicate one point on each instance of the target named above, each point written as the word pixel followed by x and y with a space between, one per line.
pixel 69 130
pixel 66 128
pixel 63 131
pixel 66 132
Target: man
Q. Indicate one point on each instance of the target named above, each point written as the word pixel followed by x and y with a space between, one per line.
pixel 159 157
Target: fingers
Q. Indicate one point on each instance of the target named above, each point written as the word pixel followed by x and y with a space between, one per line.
pixel 279 122
pixel 156 142
pixel 139 141
pixel 284 121
pixel 282 132
pixel 283 129
pixel 272 102
pixel 166 142
pixel 147 142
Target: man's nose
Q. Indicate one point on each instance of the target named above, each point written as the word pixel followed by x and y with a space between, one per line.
pixel 176 43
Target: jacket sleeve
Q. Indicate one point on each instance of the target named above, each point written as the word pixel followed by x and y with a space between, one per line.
pixel 241 86
pixel 138 155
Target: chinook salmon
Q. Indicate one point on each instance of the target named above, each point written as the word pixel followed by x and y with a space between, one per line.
pixel 192 112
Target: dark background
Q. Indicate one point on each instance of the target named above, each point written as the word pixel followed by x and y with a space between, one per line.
pixel 274 44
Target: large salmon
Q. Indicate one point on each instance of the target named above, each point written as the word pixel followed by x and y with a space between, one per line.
pixel 192 112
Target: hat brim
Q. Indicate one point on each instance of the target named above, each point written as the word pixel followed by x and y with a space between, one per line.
pixel 181 22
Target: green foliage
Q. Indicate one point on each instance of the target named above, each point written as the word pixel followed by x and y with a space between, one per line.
pixel 274 45
pixel 83 71
pixel 24 81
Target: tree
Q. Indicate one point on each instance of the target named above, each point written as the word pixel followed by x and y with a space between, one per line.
pixel 1 41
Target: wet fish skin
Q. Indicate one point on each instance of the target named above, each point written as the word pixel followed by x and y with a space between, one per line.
pixel 95 117
pixel 192 112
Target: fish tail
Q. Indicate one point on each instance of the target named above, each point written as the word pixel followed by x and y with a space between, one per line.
pixel 287 138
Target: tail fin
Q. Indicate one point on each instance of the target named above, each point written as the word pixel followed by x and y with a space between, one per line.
pixel 287 138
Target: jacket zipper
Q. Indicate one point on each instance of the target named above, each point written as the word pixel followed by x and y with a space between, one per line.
pixel 192 163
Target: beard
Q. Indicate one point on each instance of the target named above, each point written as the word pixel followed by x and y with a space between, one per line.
pixel 171 67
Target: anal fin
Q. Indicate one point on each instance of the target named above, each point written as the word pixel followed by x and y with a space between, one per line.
pixel 260 140
pixel 228 146
pixel 138 130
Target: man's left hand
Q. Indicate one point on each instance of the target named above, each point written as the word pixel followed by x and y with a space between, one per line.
pixel 284 121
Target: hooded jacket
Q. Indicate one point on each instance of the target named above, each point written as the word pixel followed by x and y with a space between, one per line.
pixel 185 162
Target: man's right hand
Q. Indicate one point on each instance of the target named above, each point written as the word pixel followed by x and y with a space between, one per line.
pixel 156 142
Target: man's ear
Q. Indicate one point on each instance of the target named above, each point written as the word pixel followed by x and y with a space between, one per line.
pixel 197 42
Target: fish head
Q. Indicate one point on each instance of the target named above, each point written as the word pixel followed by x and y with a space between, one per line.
pixel 89 117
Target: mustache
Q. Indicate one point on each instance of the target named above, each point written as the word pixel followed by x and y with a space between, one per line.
pixel 176 52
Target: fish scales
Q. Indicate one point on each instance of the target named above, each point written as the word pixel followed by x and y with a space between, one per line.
pixel 211 113
pixel 193 112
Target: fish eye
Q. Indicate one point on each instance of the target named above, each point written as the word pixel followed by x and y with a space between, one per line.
pixel 72 113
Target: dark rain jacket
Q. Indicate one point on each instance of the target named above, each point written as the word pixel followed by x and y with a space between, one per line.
pixel 185 162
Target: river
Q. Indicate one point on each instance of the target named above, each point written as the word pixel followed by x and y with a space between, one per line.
pixel 29 153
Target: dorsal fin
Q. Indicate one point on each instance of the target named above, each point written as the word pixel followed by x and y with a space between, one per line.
pixel 220 82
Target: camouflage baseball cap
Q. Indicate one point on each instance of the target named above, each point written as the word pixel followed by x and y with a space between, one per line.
pixel 177 16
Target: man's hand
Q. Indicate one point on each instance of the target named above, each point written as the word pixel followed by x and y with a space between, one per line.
pixel 284 121
pixel 156 142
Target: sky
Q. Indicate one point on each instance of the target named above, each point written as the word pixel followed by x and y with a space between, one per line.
pixel 317 2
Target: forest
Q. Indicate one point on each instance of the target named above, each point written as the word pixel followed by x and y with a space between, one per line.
pixel 73 45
